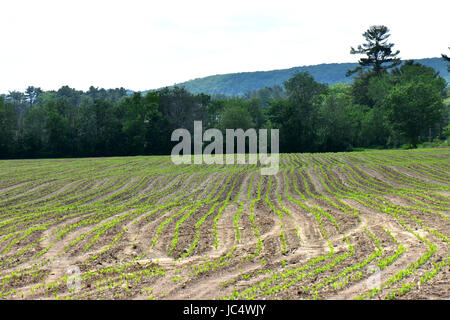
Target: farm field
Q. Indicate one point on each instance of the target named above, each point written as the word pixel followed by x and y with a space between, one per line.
pixel 361 225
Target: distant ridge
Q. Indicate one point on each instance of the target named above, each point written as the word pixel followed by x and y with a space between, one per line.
pixel 235 84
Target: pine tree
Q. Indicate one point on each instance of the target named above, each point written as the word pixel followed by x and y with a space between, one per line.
pixel 446 58
pixel 380 56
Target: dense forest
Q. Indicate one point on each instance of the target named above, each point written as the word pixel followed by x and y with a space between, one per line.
pixel 389 104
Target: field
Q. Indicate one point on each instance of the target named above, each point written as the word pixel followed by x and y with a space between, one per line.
pixel 363 225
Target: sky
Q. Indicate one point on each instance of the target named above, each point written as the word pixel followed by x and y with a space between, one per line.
pixel 141 45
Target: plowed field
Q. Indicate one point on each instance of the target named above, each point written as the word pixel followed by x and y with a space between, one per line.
pixel 364 225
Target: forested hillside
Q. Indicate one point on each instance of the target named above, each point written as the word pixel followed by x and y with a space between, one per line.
pixel 240 83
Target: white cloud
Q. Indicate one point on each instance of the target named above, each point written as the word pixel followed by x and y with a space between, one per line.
pixel 142 44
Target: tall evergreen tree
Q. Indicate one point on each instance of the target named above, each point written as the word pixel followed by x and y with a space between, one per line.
pixel 31 94
pixel 380 56
pixel 446 58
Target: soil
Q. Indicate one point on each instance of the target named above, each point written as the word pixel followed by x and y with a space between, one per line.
pixel 271 248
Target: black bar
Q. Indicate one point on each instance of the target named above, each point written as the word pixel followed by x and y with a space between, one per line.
pixel 208 309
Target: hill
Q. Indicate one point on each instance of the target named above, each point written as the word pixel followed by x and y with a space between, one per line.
pixel 239 83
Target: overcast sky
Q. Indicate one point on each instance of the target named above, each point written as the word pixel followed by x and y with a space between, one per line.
pixel 143 45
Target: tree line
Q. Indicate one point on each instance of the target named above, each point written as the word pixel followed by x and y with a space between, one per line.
pixel 388 105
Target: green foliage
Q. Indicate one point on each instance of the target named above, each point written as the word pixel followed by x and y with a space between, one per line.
pixel 8 127
pixel 334 120
pixel 296 117
pixel 235 116
pixel 413 107
pixel 446 131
